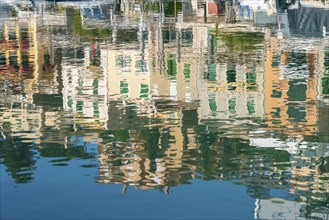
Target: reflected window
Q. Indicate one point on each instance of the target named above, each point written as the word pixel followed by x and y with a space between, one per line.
pixel 46 58
pixel 144 91
pixel 169 35
pixel 212 75
pixel 141 66
pixel 69 102
pixel 276 113
pixel 296 59
pixel 187 72
pixel 12 36
pixel 276 93
pixel 2 60
pixel 251 79
pixel 297 90
pixel 24 34
pixel 138 66
pixel 251 106
pixel 25 60
pixel 153 65
pixel 173 90
pixel 77 53
pixel 187 37
pixel 79 106
pixel 124 88
pixel 212 50
pixel 80 82
pixel 95 87
pixel 326 62
pixel 96 109
pixel 297 113
pixel 212 104
pixel 13 60
pixel 122 61
pixel 276 60
pixel 325 79
pixel 232 105
pixel 2 33
pixel 171 65
pixel 325 85
pixel 231 73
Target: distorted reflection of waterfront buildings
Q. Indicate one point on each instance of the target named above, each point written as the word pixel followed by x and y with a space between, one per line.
pixel 183 99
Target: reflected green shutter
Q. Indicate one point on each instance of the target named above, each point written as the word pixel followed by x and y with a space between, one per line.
pixel 187 71
pixel 212 72
pixel 124 88
pixel 212 104
pixel 251 106
pixel 231 105
pixel 144 91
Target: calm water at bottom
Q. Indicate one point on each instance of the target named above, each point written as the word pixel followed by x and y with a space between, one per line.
pixel 73 194
pixel 163 110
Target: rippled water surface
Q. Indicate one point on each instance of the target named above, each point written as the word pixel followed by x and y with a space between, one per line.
pixel 146 109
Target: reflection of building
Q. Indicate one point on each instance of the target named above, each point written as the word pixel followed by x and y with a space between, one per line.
pixel 27 59
pixel 174 66
pixel 21 47
pixel 234 86
pixel 128 73
pixel 289 99
pixel 85 86
pixel 32 118
pixel 233 90
pixel 149 157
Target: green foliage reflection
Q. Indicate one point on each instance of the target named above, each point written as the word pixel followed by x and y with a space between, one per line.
pixel 87 34
pixel 242 41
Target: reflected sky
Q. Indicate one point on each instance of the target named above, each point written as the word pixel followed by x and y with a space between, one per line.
pixel 203 106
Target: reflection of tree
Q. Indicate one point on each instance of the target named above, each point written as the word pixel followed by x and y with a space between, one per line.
pixel 18 157
pixel 126 36
pixel 87 34
pixel 242 42
pixel 171 8
pixel 58 150
pixel 121 135
pixel 152 140
pixel 206 158
pixel 228 157
pixel 212 156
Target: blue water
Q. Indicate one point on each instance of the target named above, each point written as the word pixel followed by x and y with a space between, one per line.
pixel 62 193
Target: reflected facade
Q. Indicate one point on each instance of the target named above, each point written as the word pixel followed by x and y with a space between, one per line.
pixel 169 93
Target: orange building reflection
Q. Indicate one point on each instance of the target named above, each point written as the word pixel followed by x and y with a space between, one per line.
pixel 286 94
